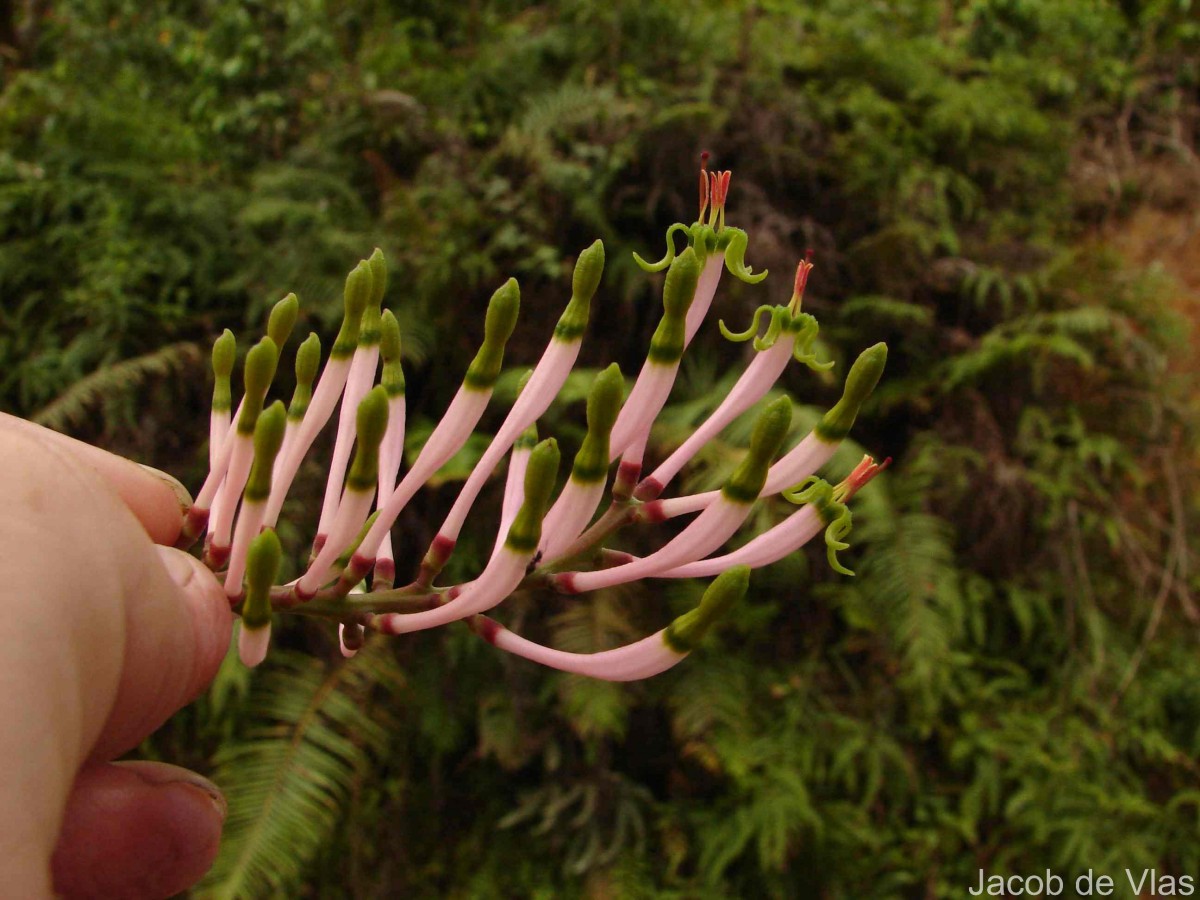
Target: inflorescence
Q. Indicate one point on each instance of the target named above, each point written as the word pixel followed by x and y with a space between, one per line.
pixel 543 541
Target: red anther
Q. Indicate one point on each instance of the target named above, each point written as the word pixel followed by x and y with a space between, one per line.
pixel 704 193
pixel 862 475
pixel 721 189
pixel 703 159
pixel 802 271
pixel 808 255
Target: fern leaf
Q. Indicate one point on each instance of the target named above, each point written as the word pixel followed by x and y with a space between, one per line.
pixel 110 382
pixel 288 778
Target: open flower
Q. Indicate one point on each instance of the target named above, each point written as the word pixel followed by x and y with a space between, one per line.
pixel 548 538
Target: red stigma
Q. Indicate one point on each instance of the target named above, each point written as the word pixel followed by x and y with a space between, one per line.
pixel 862 475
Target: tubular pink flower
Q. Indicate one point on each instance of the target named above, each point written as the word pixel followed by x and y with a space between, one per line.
pixel 451 433
pixel 535 398
pixel 645 402
pixel 325 397
pixel 762 373
pixel 641 659
pixel 514 492
pixel 352 512
pixel 713 527
pixel 800 462
pixel 568 517
pixel 253 644
pixel 359 380
pixel 785 538
pixel 499 578
pixel 706 289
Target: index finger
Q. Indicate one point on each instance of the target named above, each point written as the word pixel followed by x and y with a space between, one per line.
pixel 156 499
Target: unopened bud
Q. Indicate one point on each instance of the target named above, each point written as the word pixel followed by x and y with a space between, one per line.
pixel 666 346
pixel 389 349
pixel 283 319
pixel 371 424
pixel 747 481
pixel 726 590
pixel 379 277
pixel 260 371
pixel 540 475
pixel 604 402
pixel 497 327
pixel 356 296
pixel 268 438
pixel 262 568
pixel 586 279
pixel 224 353
pixel 861 380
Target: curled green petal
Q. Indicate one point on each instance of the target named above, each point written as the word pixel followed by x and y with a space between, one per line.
pixel 670 255
pixel 735 257
pixel 802 349
pixel 726 590
pixel 767 341
pixel 808 491
pixel 834 532
pixel 283 319
pixel 263 560
pixel 540 475
pixel 750 332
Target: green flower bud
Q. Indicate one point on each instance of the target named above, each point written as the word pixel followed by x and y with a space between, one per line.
pixel 379 277
pixel 283 319
pixel 369 327
pixel 308 358
pixel 747 481
pixel 389 349
pixel 727 589
pixel 355 298
pixel 262 568
pixel 540 475
pixel 588 269
pixel 497 327
pixel 678 292
pixel 224 353
pixel 371 424
pixel 268 438
pixel 863 377
pixel 604 402
pixel 260 371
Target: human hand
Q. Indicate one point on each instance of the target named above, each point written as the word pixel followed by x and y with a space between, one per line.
pixel 106 631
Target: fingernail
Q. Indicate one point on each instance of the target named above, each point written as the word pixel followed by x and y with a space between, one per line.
pixel 176 486
pixel 164 773
pixel 180 566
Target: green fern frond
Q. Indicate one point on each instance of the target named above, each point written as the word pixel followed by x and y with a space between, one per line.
pixel 288 777
pixel 113 381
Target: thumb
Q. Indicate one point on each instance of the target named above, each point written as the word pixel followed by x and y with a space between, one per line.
pixel 136 829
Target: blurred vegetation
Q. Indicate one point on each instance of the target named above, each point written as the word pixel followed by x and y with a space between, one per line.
pixel 1010 681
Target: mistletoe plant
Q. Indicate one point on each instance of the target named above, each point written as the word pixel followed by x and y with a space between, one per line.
pixel 543 542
